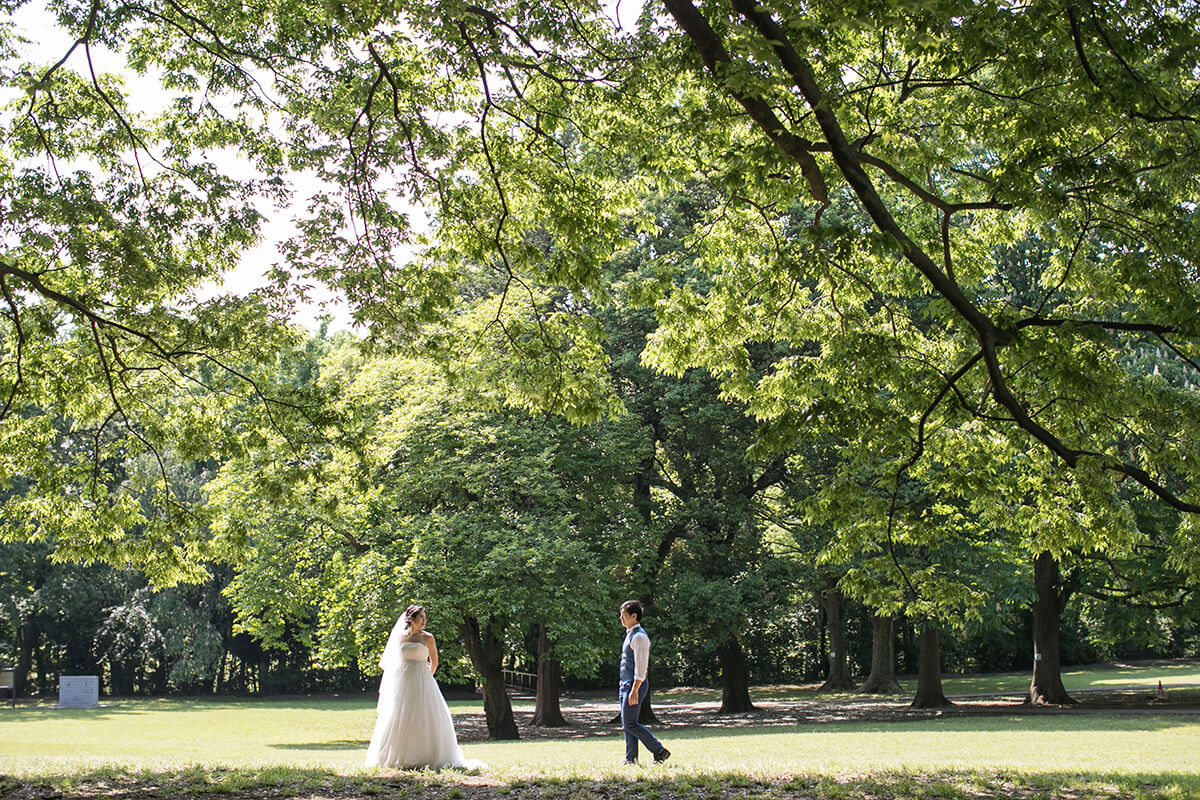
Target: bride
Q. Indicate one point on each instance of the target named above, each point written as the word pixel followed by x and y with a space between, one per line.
pixel 413 727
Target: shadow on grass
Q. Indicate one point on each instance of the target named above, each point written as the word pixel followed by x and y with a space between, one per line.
pixel 337 744
pixel 1174 673
pixel 183 705
pixel 858 717
pixel 968 724
pixel 662 785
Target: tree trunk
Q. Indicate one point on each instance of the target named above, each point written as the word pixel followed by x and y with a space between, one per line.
pixel 646 716
pixel 30 633
pixel 121 678
pixel 45 682
pixel 487 656
pixel 735 679
pixel 838 678
pixel 908 660
pixel 882 679
pixel 546 710
pixel 1047 688
pixel 822 623
pixel 929 674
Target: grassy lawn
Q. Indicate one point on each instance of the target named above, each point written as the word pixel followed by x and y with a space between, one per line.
pixel 1177 674
pixel 314 747
pixel 332 734
pixel 247 784
pixel 1108 676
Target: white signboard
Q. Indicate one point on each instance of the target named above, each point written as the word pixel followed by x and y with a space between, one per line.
pixel 78 691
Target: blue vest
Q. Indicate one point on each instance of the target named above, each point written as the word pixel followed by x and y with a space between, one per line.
pixel 627 657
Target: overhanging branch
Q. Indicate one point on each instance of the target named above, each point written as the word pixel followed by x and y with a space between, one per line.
pixel 850 162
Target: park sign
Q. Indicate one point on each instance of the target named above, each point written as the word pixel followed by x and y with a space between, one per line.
pixel 78 691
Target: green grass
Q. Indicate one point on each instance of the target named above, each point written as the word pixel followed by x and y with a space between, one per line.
pixel 1108 676
pixel 1058 743
pixel 1175 674
pixel 332 734
pixel 165 733
pixel 314 747
pixel 658 785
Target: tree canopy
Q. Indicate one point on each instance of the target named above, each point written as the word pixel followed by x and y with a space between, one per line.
pixel 956 238
pixel 873 165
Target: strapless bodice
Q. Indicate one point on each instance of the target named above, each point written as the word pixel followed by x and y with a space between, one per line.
pixel 414 651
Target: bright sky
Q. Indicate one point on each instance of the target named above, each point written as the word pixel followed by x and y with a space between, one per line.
pixel 49 42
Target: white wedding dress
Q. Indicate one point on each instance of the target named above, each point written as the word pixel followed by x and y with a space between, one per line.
pixel 413 727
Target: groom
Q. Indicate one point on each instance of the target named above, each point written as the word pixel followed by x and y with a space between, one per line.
pixel 635 658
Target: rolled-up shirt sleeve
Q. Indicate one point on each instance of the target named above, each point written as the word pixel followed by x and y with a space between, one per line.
pixel 641 655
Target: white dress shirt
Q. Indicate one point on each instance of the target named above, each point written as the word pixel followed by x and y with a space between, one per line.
pixel 639 642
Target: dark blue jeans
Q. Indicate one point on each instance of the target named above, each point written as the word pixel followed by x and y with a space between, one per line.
pixel 634 730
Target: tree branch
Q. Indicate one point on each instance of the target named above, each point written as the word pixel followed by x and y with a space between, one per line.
pixel 16 318
pixel 716 58
pixel 849 162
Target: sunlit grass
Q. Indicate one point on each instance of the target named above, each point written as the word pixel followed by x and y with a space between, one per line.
pixel 1050 743
pixel 1180 675
pixel 160 734
pixel 331 734
pixel 1172 674
pixel 229 745
pixel 643 785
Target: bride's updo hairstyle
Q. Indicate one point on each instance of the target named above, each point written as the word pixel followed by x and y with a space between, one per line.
pixel 411 613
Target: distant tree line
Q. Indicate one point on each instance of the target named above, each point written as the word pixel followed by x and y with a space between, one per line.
pixel 524 532
pixel 67 619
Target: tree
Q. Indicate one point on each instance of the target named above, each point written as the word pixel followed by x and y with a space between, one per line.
pixel 489 500
pixel 946 64
pixel 882 677
pixel 112 220
pixel 496 521
pixel 1065 336
pixel 878 113
pixel 699 488
pixel 873 166
pixel 66 618
pixel 1047 686
pixel 892 68
pixel 547 711
pixel 923 547
pixel 834 604
pixel 1132 602
pixel 1046 319
pixel 929 674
